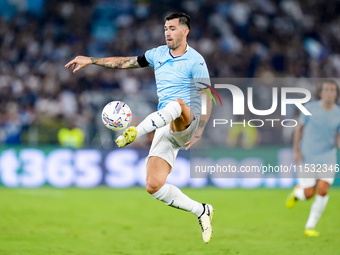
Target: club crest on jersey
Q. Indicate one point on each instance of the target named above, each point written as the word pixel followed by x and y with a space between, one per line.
pixel 180 66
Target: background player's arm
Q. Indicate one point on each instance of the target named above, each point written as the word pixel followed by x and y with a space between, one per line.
pixel 203 122
pixel 339 141
pixel 112 62
pixel 296 146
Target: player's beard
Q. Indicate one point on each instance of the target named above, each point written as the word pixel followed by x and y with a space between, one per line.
pixel 174 44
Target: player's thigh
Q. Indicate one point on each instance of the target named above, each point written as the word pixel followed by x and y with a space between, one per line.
pixel 163 146
pixel 323 187
pixel 157 170
pixel 325 180
pixel 183 121
pixel 308 184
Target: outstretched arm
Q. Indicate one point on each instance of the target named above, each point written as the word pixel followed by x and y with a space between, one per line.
pixel 112 62
pixel 203 121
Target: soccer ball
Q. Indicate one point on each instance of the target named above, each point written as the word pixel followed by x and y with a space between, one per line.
pixel 116 115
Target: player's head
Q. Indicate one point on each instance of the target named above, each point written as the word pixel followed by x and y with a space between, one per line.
pixel 329 91
pixel 177 27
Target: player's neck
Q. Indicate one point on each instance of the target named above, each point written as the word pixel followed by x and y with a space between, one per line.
pixel 180 50
pixel 327 106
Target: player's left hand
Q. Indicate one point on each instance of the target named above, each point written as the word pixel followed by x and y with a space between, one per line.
pixel 78 63
pixel 194 139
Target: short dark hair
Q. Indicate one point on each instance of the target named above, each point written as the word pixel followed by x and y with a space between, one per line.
pixel 320 86
pixel 184 19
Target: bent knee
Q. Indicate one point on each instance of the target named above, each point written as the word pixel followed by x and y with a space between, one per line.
pixel 322 192
pixel 323 188
pixel 186 112
pixel 180 101
pixel 152 186
pixel 309 193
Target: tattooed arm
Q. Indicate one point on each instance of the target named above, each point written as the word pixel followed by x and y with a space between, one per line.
pixel 116 62
pixel 112 62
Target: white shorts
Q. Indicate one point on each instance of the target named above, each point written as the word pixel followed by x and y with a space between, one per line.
pixel 311 182
pixel 307 180
pixel 167 143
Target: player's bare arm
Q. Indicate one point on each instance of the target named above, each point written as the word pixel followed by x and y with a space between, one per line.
pixel 116 62
pixel 203 122
pixel 111 62
pixel 296 147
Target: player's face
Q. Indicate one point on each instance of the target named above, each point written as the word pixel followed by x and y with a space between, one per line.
pixel 328 93
pixel 175 33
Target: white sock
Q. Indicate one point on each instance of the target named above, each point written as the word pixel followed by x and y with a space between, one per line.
pixel 160 118
pixel 300 194
pixel 174 197
pixel 316 211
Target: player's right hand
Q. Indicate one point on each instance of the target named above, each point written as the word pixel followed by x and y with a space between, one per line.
pixel 298 157
pixel 196 136
pixel 78 63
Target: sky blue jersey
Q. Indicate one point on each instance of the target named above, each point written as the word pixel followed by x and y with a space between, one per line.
pixel 318 144
pixel 174 75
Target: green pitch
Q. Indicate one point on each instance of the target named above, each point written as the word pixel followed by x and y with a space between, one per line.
pixel 129 221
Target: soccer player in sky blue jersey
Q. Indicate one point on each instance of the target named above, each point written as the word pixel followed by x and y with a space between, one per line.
pixel 315 150
pixel 177 122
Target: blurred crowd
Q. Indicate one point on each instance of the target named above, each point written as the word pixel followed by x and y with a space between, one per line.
pixel 244 39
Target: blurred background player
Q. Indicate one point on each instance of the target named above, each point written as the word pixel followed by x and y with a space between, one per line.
pixel 314 144
pixel 177 121
pixel 71 136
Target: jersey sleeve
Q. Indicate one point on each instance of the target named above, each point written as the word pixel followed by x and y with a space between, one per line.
pixel 200 73
pixel 150 55
pixel 142 61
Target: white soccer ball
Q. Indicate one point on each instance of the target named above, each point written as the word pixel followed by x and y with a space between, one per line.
pixel 116 115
